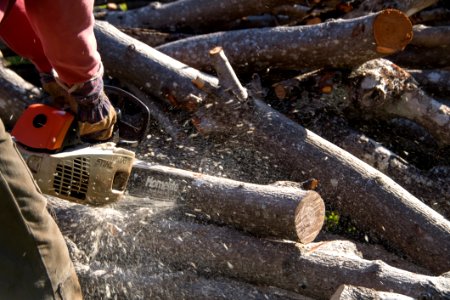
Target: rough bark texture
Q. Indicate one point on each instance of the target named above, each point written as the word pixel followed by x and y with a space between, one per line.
pixel 427 50
pixel 385 89
pixel 112 261
pixel 435 82
pixel 409 7
pixel 196 14
pixel 150 70
pixel 338 43
pixel 431 189
pixel 264 210
pixel 349 292
pixel 349 185
pixel 377 90
pixel 353 187
pixel 15 95
pixel 142 239
pixel 151 37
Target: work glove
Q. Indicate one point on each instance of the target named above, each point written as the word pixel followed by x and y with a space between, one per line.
pixel 59 97
pixel 95 114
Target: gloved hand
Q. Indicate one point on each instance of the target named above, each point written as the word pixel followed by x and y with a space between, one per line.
pixel 96 116
pixel 59 97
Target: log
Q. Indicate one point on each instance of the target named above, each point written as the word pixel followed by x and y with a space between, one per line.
pixel 380 86
pixel 152 37
pixel 409 7
pixel 338 43
pixel 353 187
pixel 436 83
pixel 349 292
pixel 432 190
pixel 264 210
pixel 378 89
pixel 427 50
pixel 196 14
pixel 15 95
pixel 121 270
pixel 430 36
pixel 437 16
pixel 149 69
pixel 144 235
pixel 348 184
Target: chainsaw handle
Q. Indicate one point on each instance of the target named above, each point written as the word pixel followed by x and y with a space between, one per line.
pixel 133 116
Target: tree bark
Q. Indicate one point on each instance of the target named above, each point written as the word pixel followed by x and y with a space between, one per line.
pixel 386 90
pixel 152 71
pixel 373 201
pixel 409 7
pixel 151 37
pixel 143 236
pixel 427 50
pixel 349 292
pixel 435 82
pixel 432 190
pixel 15 95
pixel 196 14
pixel 378 89
pixel 264 210
pixel 338 43
pixel 349 185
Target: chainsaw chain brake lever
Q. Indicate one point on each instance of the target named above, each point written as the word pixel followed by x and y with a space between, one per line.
pixel 133 117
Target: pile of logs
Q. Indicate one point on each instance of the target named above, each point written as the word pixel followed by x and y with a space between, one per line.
pixel 306 89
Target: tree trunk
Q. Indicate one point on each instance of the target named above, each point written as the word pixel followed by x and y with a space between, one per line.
pixel 432 190
pixel 143 236
pixel 338 43
pixel 264 210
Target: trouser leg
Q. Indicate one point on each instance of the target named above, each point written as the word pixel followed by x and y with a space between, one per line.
pixel 34 260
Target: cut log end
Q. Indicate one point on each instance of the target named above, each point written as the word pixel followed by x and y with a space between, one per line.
pixel 309 217
pixel 216 50
pixel 392 31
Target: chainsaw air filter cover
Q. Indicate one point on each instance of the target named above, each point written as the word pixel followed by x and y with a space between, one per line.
pixel 93 175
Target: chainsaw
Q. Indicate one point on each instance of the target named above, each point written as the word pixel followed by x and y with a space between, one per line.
pixel 65 166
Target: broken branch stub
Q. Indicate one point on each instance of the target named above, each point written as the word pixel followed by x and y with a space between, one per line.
pixel 227 77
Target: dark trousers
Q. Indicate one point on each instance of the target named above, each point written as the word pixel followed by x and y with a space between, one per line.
pixel 34 260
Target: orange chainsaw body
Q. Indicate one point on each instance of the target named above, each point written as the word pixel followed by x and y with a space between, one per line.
pixel 42 127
